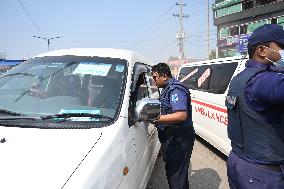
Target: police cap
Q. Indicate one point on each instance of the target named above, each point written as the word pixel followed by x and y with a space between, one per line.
pixel 267 33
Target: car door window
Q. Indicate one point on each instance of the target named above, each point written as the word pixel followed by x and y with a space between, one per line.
pixel 141 87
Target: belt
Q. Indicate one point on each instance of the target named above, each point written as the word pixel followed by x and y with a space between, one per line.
pixel 272 167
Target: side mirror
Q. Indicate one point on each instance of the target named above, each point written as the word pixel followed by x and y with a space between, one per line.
pixel 147 110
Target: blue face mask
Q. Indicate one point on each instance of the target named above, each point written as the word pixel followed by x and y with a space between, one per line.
pixel 280 63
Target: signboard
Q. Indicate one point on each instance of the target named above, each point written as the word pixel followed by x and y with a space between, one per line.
pixel 92 68
pixel 243 42
pixel 239 41
pixel 228 41
pixel 224 3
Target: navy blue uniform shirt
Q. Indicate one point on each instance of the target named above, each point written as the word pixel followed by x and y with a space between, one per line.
pixel 178 101
pixel 178 98
pixel 264 93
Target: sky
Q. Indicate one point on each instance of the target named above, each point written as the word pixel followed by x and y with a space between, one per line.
pixel 146 26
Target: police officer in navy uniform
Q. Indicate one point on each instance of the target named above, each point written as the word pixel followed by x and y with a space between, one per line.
pixel 175 128
pixel 255 105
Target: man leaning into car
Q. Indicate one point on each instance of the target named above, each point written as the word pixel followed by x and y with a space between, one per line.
pixel 175 128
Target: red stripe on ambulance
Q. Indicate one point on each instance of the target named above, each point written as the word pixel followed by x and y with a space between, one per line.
pixel 216 116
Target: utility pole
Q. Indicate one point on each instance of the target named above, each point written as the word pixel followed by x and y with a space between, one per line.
pixel 48 40
pixel 181 35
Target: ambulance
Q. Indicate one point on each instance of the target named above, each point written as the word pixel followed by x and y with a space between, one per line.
pixel 208 82
pixel 78 119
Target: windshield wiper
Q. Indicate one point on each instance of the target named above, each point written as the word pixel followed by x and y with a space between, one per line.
pixel 70 115
pixel 3 118
pixel 8 112
pixel 13 74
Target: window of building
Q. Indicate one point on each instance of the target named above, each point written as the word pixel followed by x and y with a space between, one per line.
pixel 234 8
pixel 224 32
pixel 264 2
pixel 228 10
pixel 231 52
pixel 243 29
pixel 221 12
pixel 234 30
pixel 227 53
pixel 280 20
pixel 247 5
pixel 273 20
pixel 216 81
pixel 253 25
pixel 223 53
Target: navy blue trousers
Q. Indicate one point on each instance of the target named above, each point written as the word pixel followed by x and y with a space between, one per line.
pixel 246 175
pixel 177 156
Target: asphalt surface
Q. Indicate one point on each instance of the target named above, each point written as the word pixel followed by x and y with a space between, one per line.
pixel 207 169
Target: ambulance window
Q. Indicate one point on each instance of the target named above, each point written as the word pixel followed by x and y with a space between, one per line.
pixel 195 77
pixel 221 75
pixel 187 76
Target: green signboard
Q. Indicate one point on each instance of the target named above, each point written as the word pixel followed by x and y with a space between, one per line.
pixel 224 3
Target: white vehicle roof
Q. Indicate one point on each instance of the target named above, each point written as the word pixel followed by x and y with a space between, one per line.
pixel 100 52
pixel 214 61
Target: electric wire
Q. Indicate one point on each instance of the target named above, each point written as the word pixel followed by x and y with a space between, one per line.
pixel 30 17
pixel 151 26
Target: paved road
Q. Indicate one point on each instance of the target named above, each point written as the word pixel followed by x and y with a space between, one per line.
pixel 207 169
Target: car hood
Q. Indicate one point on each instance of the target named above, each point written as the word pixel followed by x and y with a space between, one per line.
pixel 42 158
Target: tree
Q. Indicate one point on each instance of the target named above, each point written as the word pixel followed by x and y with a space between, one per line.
pixel 212 54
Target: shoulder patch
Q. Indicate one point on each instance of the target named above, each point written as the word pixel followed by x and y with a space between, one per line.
pixel 174 98
pixel 230 101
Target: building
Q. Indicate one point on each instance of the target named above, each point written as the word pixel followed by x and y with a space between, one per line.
pixel 237 19
pixel 175 64
pixel 8 64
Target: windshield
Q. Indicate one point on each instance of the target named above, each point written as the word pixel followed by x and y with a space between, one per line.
pixel 64 85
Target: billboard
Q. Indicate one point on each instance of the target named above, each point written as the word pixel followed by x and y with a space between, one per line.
pixel 238 41
pixel 228 41
pixel 243 42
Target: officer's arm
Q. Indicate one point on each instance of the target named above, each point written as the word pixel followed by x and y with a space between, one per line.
pixel 268 88
pixel 174 118
pixel 178 102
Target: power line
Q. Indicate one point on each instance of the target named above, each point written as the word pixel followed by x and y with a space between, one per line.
pixel 159 34
pixel 30 16
pixel 162 49
pixel 151 26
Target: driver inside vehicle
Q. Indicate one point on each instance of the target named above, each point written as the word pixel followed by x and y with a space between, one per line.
pixel 103 92
pixel 95 87
pixel 36 91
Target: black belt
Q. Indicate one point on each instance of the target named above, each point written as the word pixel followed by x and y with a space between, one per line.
pixel 271 167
